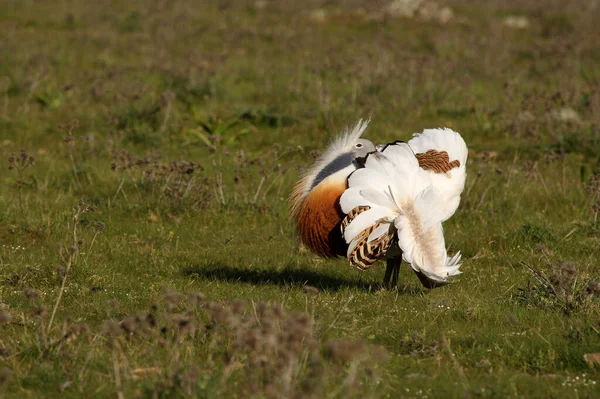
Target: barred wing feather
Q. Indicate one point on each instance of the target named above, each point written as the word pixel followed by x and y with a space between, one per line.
pixel 443 154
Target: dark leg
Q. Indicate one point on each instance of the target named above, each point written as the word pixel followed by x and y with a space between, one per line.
pixel 392 269
pixel 389 267
pixel 396 272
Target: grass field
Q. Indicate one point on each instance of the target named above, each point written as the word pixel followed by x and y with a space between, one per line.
pixel 148 150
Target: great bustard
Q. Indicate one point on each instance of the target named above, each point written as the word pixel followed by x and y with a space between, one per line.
pixel 386 202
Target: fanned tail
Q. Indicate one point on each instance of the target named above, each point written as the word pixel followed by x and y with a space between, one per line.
pixel 421 237
pixel 397 203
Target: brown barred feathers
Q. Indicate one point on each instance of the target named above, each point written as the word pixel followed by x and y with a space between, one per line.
pixel 366 253
pixel 437 161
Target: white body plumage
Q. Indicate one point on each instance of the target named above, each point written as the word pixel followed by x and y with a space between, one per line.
pixel 395 200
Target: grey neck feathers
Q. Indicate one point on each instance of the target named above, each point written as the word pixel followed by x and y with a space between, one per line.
pixel 334 166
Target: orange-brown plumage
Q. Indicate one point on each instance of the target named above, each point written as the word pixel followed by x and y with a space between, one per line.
pixel 319 217
pixel 315 199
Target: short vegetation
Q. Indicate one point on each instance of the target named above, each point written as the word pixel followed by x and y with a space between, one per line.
pixel 148 150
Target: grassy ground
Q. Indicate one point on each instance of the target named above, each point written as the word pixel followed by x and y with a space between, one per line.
pixel 146 247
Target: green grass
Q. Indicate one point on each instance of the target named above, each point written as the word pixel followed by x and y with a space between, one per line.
pixel 167 137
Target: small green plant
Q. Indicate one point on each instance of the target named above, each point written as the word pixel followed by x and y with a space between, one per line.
pixel 50 99
pixel 215 131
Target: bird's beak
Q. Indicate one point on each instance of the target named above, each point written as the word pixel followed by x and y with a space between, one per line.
pixel 360 161
pixel 429 282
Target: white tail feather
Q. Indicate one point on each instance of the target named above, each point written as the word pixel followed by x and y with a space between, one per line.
pixel 441 140
pixel 398 190
pixel 378 232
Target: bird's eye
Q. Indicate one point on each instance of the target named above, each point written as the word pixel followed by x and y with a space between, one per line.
pixel 358 145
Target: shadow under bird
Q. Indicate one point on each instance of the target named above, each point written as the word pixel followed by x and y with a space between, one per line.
pixel 384 202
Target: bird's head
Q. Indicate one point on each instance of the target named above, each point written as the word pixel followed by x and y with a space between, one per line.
pixel 361 149
pixel 343 156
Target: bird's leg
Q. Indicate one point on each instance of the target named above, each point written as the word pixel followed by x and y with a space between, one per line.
pixel 392 269
pixel 389 266
pixel 396 271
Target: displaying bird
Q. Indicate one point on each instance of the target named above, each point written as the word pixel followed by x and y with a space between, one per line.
pixel 386 202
